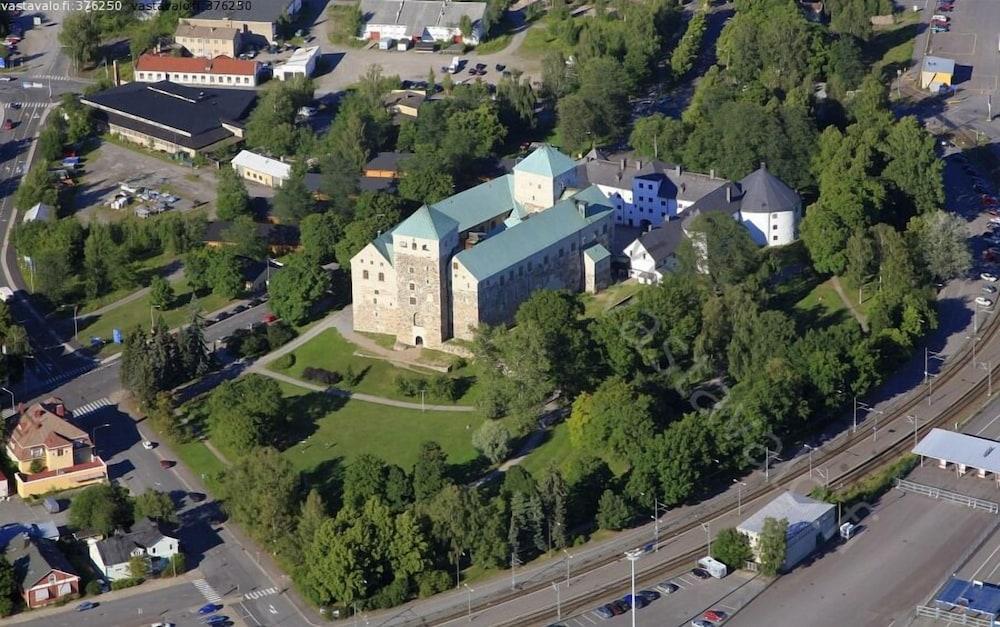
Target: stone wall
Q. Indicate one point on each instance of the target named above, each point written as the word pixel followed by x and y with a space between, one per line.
pixel 374 295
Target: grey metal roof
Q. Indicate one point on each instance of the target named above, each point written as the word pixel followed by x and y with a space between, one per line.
pixel 256 11
pixel 939 65
pixel 799 510
pixel 524 239
pixel 763 192
pixel 726 199
pixel 597 252
pixel 419 14
pixel 387 161
pixel 34 558
pixel 662 241
pixel 600 169
pixel 959 448
pixel 118 548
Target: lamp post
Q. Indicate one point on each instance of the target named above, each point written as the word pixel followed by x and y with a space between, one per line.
pixel 633 557
pixel 569 556
pixel 13 405
pixel 76 324
pixel 555 586
pixel 913 419
pixel 988 367
pixel 825 475
pixel 739 496
pixel 859 405
pixel 468 596
pixel 928 354
pixel 768 456
pixel 811 449
pixel 656 521
pixel 708 536
pixel 975 340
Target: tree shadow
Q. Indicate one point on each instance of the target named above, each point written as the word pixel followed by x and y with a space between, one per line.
pixel 327 478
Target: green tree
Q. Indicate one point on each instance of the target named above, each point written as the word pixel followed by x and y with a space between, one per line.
pixel 613 512
pixel 311 517
pixel 138 567
pixel 914 167
pixel 8 587
pixel 156 505
pixel 195 358
pixel 941 244
pixel 319 234
pixel 261 492
pixel 247 413
pixel 493 439
pixel 732 548
pixel 730 255
pixel 299 286
pixel 80 36
pixel 161 293
pixel 772 546
pixel 465 25
pixel 424 181
pixel 52 139
pixel 36 187
pixel 430 473
pixel 683 57
pixel 619 417
pixel 293 201
pixel 231 196
pixel 659 137
pixel 102 508
pixel 244 238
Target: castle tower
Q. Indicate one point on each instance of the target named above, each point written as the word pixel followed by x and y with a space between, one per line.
pixel 422 245
pixel 541 178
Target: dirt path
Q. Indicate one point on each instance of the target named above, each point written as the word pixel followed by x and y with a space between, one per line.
pixel 862 320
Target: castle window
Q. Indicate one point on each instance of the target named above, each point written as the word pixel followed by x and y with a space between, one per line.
pixel 364 274
pixel 774 227
pixel 375 301
pixel 413 245
pixel 604 229
pixel 501 280
pixel 376 292
pixel 381 276
pixel 413 301
pixel 411 269
pixel 402 245
pixel 413 286
pixel 520 271
pixel 774 238
pixel 546 258
pixel 424 247
pixel 454 265
pixel 572 246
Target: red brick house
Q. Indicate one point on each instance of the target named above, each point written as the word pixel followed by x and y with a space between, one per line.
pixel 42 572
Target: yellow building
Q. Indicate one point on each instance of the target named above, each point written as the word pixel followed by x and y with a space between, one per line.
pixel 208 41
pixel 936 73
pixel 51 453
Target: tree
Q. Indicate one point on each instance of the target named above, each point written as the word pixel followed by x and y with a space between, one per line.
pixel 493 439
pixel 271 125
pixel 364 478
pixel 613 512
pixel 914 167
pixel 138 567
pixel 247 413
pixel 425 181
pixel 311 517
pixel 261 492
pixel 430 473
pixel 465 25
pixel 617 417
pixel 293 201
pixel 659 137
pixel 244 238
pixel 554 492
pixel 732 548
pixel 299 286
pixel 36 187
pixel 683 57
pixel 8 587
pixel 231 197
pixel 102 508
pixel 156 505
pixel 729 252
pixel 196 360
pixel 161 293
pixel 772 546
pixel 52 139
pixel 319 234
pixel 941 243
pixel 81 37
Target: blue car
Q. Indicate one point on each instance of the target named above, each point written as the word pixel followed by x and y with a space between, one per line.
pixel 209 608
pixel 215 620
pixel 638 602
pixel 86 605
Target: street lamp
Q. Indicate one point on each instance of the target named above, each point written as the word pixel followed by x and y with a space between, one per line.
pixel 555 586
pixel 811 449
pixel 13 406
pixel 859 405
pixel 708 536
pixel 468 595
pixel 569 556
pixel 768 456
pixel 739 496
pixel 633 557
pixel 656 521
pixel 913 419
pixel 988 367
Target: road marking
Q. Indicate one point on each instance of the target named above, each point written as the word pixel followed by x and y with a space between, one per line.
pixel 207 591
pixel 986 561
pixel 995 418
pixel 91 407
pixel 592 621
pixel 256 594
pixel 270 608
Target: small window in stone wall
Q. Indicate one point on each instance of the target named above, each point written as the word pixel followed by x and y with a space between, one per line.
pixel 411 269
pixel 402 244
pixel 364 274
pixel 413 300
pixel 413 286
pixel 424 247
pixel 454 265
pixel 381 276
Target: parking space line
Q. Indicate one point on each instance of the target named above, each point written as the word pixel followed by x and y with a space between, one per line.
pixel 995 418
pixel 592 621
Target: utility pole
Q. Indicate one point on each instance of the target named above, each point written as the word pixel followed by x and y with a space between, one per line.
pixel 811 449
pixel 468 596
pixel 513 563
pixel 929 354
pixel 739 496
pixel 569 556
pixel 913 419
pixel 988 367
pixel 76 326
pixel 708 537
pixel 633 557
pixel 555 586
pixel 989 107
pixel 768 456
pixel 858 404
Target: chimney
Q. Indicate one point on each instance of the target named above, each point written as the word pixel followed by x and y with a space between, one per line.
pixel 677 169
pixel 623 163
pixel 60 410
pixel 581 206
pixel 729 194
pixel 711 173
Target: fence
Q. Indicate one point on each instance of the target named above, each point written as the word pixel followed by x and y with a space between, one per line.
pixel 947 495
pixel 952 617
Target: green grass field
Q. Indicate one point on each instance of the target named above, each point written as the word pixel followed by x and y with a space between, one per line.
pixel 596 304
pixel 494 45
pixel 137 313
pixel 539 41
pixel 558 450
pixel 331 351
pixel 145 269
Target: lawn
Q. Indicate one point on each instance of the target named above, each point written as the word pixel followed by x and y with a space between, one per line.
pixel 823 307
pixel 137 313
pixel 540 41
pixel 596 304
pixel 329 350
pixel 557 449
pixel 494 45
pixel 891 49
pixel 201 461
pixel 145 269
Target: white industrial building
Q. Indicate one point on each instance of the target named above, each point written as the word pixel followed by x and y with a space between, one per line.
pixel 260 169
pixel 966 452
pixel 301 63
pixel 810 524
pixel 422 20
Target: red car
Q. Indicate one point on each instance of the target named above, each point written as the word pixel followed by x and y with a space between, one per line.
pixel 716 616
pixel 166 464
pixel 8 125
pixel 946 8
pixel 269 318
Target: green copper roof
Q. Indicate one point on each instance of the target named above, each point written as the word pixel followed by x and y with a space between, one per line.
pixel 481 203
pixel 597 253
pixel 515 244
pixel 383 244
pixel 545 161
pixel 426 223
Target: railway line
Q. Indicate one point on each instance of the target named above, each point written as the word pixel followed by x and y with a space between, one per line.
pixel 963 408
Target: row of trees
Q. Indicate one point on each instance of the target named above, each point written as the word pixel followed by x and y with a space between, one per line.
pixel 158 360
pixel 105 508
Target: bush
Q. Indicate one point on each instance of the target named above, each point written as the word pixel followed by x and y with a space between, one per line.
pixel 351 376
pixel 396 593
pixel 443 387
pixel 461 362
pixel 284 362
pixel 121 584
pixel 612 511
pixel 36 466
pixel 92 589
pixel 431 582
pixel 178 566
pixel 279 334
pixel 253 345
pixel 407 386
pixel 321 375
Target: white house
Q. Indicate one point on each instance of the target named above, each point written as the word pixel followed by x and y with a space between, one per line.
pixel 40 212
pixel 301 63
pixel 654 252
pixel 423 20
pixel 260 169
pixel 810 524
pixel 146 540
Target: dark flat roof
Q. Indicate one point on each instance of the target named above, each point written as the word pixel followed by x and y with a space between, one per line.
pixel 170 111
pixel 256 11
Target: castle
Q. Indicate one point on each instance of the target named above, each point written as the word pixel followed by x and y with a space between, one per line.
pixel 476 256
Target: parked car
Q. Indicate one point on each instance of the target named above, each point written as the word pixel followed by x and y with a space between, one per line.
pixel 716 616
pixel 8 125
pixel 209 608
pixel 86 605
pixel 649 595
pixel 167 464
pixel 982 301
pixel 638 602
pixel 699 622
pixel 605 611
pixel 700 573
pixel 222 316
pixel 937 28
pixel 146 444
pixel 239 309
pixel 215 620
pixel 500 67
pixel 269 318
pixel 620 606
pixel 196 497
pixel 988 289
pixel 668 587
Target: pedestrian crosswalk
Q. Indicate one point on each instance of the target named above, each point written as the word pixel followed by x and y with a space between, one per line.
pixel 256 594
pixel 207 591
pixel 91 407
pixel 54 380
pixel 52 77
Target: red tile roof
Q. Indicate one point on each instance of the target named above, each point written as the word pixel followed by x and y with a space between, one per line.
pixel 196 65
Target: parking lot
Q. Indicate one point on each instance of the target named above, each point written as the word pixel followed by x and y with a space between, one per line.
pixel 971 41
pixel 692 598
pixel 108 166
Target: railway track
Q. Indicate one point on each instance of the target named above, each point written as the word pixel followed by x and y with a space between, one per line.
pixel 961 409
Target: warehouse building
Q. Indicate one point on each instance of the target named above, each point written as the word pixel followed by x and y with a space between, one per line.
pixel 423 20
pixel 810 524
pixel 260 169
pixel 301 63
pixel 254 20
pixel 936 73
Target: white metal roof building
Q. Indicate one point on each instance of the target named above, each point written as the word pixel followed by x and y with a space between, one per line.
pixel 260 169
pixel 426 20
pixel 301 63
pixel 810 523
pixel 965 451
pixel 40 212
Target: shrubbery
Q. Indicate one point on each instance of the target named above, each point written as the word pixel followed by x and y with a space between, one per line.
pixel 322 375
